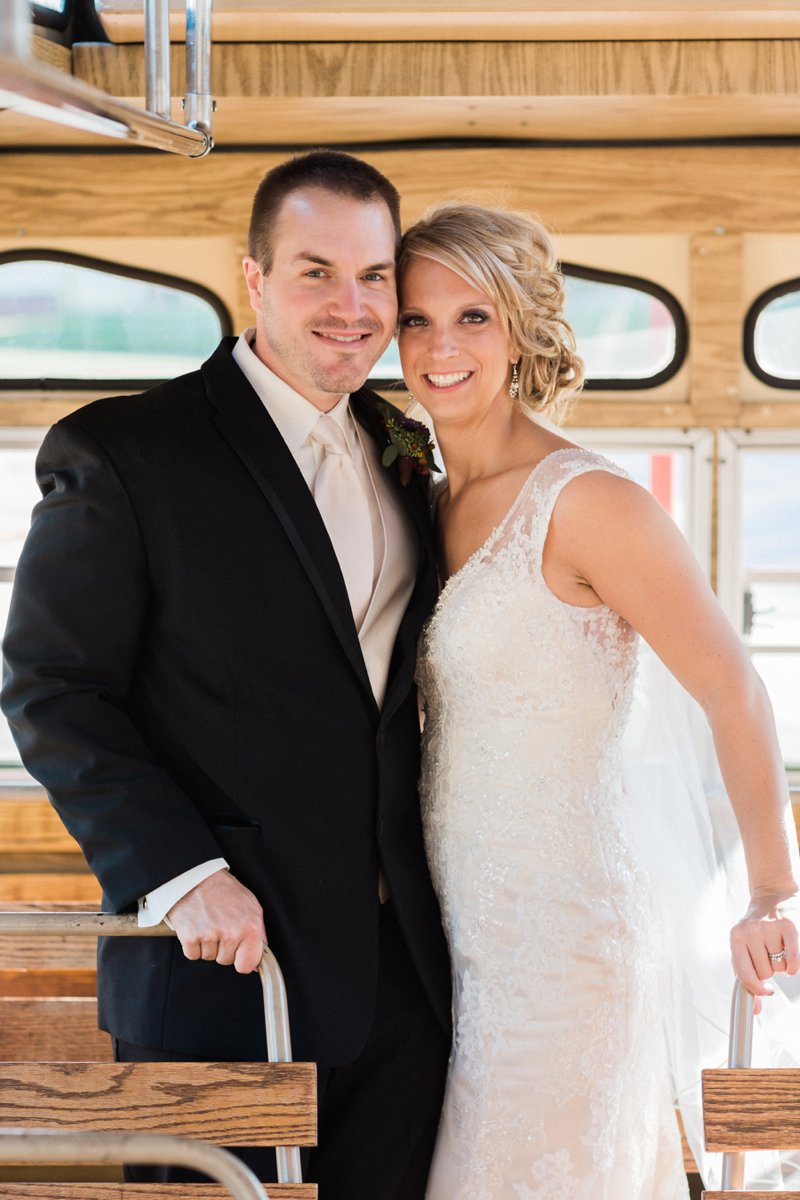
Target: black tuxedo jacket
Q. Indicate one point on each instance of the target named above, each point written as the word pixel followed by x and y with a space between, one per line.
pixel 184 676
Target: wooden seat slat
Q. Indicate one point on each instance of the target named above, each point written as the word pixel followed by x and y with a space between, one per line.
pixel 52 1029
pixel 30 825
pixel 751 1109
pixel 46 951
pixel 722 1196
pixel 242 1104
pixel 49 889
pixel 48 981
pixel 132 1191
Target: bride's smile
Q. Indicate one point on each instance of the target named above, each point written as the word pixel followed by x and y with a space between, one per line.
pixel 453 344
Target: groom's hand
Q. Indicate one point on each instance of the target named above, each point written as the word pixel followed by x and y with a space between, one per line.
pixel 221 921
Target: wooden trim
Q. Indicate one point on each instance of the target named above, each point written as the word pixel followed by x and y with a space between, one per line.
pixel 716 306
pixel 350 120
pixel 478 20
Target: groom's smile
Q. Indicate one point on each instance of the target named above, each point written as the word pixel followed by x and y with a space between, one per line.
pixel 326 309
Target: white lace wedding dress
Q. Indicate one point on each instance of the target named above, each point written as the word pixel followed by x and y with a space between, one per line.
pixel 558 1086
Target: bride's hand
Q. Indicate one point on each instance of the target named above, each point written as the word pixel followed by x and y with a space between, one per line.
pixel 766 941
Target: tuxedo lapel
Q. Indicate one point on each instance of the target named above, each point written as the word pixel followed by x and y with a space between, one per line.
pixel 414 499
pixel 250 431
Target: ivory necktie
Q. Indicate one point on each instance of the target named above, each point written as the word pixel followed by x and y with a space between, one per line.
pixel 344 508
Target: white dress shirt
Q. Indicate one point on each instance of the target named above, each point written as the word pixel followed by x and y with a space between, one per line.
pixel 393 544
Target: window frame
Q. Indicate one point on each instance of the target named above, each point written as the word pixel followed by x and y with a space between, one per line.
pixel 700 446
pixel 729 525
pixel 755 310
pixel 106 266
pixel 639 284
pixel 47 18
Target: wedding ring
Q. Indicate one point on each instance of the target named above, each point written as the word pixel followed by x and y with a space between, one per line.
pixel 781 954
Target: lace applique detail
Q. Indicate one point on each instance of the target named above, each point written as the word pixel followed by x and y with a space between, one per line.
pixel 554 1089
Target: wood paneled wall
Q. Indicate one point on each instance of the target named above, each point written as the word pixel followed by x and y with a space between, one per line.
pixel 714 196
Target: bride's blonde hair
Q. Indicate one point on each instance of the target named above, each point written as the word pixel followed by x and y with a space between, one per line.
pixel 509 256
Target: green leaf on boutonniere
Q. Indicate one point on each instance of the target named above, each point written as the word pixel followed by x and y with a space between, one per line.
pixel 410 444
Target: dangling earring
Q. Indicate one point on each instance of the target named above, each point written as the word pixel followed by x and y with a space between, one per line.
pixel 513 387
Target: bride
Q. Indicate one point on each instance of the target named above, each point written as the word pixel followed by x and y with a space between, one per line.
pixel 553 563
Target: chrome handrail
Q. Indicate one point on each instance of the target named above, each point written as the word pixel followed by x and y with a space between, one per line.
pixel 740 1054
pixel 74 1148
pixel 276 1011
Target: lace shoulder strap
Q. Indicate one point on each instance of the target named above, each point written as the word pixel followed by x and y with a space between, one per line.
pixel 547 480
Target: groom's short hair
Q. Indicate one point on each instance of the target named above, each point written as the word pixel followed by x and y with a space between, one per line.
pixel 332 170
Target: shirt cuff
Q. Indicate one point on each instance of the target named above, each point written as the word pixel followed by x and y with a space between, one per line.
pixel 154 907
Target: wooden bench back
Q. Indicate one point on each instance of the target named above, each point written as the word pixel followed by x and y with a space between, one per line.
pixel 243 1104
pixel 751 1109
pixel 147 1191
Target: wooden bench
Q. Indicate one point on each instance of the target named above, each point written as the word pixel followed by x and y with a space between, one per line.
pixel 749 1109
pixel 280 1097
pixel 242 1104
pixel 48 992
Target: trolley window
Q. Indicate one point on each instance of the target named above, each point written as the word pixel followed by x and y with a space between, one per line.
pixel 772 336
pixel 67 321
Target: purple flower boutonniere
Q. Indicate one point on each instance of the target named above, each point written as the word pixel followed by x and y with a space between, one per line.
pixel 410 444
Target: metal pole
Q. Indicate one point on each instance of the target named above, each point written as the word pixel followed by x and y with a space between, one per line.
pixel 15 28
pixel 276 1010
pixel 279 1049
pixel 158 94
pixel 199 102
pixel 89 923
pixel 55 1146
pixel 740 1054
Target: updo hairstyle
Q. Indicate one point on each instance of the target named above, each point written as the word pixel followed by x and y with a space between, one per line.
pixel 509 256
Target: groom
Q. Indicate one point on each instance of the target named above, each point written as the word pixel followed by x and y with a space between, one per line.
pixel 209 666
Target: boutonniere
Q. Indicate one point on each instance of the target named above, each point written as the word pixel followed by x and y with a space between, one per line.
pixel 410 445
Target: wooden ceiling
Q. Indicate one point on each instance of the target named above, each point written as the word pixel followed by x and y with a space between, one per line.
pixel 338 71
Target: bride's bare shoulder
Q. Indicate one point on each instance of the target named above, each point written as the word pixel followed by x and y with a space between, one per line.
pixel 601 505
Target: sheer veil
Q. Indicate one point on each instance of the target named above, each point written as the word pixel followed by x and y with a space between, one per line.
pixel 687 840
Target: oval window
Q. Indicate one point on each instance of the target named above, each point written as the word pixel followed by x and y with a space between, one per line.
pixel 67 322
pixel 772 336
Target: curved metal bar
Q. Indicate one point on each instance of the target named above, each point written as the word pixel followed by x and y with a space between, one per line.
pixel 279 1049
pixel 91 923
pixel 49 1146
pixel 276 1011
pixel 740 1054
pixel 43 91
